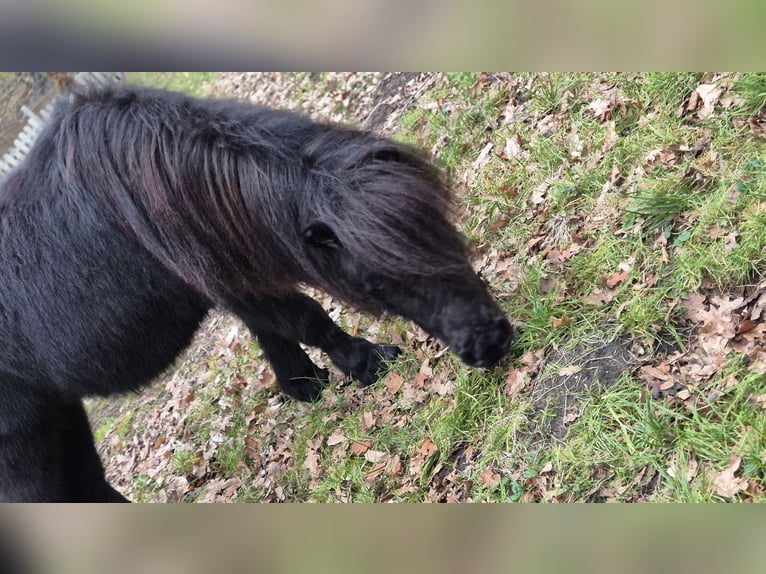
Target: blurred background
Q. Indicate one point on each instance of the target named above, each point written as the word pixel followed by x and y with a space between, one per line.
pixel 385 538
pixel 383 34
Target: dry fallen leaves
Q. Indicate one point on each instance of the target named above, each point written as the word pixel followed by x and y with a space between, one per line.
pixel 368 420
pixel 667 157
pixel 599 296
pixel 570 370
pixel 484 156
pixel 336 438
pixel 514 149
pixel 425 452
pixel 601 108
pixel 611 138
pixel 394 382
pixel 726 483
pixel 427 448
pixel 709 94
pixel 659 377
pixel 489 478
pixel 687 471
pixel 312 456
pixel 358 448
pixel 726 325
pixel 375 456
pixel 515 382
pixel 613 281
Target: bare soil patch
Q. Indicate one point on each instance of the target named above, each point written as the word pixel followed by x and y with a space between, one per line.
pixel 571 375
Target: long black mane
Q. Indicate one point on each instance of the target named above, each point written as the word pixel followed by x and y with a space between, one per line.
pixel 220 191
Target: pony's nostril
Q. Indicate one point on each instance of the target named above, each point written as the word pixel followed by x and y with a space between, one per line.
pixel 495 342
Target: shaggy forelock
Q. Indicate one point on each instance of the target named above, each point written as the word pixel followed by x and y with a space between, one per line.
pixel 388 202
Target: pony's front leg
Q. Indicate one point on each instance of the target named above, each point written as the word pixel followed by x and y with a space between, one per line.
pixel 300 318
pixel 297 375
pixel 366 362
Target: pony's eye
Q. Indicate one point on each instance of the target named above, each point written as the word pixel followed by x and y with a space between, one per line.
pixel 322 235
pixel 387 155
pixel 374 286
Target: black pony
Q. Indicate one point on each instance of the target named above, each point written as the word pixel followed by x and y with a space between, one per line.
pixel 138 210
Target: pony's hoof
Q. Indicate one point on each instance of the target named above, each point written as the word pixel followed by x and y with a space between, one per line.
pixel 377 363
pixel 306 388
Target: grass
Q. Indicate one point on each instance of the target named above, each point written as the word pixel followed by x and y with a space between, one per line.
pixel 752 89
pixel 624 433
pixel 674 200
pixel 188 82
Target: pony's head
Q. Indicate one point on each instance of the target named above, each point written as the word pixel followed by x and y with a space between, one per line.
pixel 376 231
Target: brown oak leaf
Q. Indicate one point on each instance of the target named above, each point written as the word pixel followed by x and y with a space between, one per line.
pixel 726 483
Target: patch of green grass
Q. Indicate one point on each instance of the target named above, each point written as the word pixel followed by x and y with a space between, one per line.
pixel 537 308
pixel 125 426
pixel 106 417
pixel 230 457
pixel 141 487
pixel 665 199
pixel 752 89
pixel 345 478
pixel 104 427
pixel 749 256
pixel 552 92
pixel 622 433
pixel 182 462
pixel 663 92
pixel 188 82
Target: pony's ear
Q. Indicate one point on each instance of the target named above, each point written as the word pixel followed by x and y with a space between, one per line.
pixel 319 234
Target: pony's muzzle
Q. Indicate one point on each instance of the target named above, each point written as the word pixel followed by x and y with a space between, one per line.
pixel 485 345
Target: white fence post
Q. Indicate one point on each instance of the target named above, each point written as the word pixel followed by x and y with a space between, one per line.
pixel 36 121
